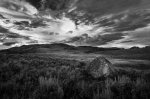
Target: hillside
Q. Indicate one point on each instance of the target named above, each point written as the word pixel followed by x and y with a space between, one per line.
pixel 132 53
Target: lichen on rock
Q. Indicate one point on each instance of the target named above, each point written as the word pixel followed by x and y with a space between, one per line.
pixel 99 67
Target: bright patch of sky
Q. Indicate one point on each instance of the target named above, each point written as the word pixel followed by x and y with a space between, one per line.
pixel 57 30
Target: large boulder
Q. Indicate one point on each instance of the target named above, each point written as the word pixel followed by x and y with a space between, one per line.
pixel 99 67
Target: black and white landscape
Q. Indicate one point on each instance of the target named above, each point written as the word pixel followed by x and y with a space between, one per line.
pixel 74 49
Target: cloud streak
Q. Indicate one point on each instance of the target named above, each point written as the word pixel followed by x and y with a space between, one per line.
pixel 107 23
pixel 101 7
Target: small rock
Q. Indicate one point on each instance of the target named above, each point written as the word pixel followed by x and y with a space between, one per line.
pixel 99 67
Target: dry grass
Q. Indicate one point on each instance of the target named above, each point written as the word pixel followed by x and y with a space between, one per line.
pixel 36 77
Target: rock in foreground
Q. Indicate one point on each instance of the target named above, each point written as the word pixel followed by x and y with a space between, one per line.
pixel 99 67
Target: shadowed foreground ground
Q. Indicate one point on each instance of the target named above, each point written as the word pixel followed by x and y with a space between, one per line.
pixel 39 76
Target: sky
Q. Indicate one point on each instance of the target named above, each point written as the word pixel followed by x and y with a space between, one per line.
pixel 101 23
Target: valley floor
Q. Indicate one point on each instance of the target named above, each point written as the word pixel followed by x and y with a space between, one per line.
pixel 130 63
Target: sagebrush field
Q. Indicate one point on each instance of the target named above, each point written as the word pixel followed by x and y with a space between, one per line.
pixel 34 76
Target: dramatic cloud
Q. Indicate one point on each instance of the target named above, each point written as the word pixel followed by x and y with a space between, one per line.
pixel 17 7
pixel 96 40
pixel 51 4
pixel 107 23
pixel 106 6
